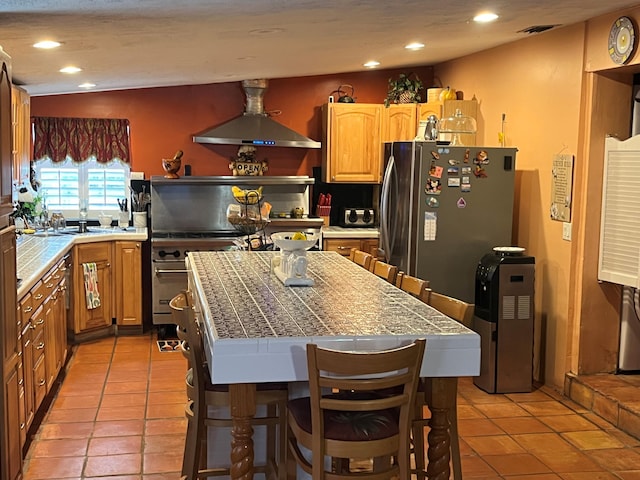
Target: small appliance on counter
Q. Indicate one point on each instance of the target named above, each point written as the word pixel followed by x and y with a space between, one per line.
pixel 358 217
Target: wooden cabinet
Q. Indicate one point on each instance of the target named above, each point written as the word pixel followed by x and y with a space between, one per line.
pixel 128 283
pixel 400 122
pixel 344 245
pixel 448 108
pixel 6 177
pixel 55 322
pixel 352 147
pixel 21 134
pixel 83 318
pixel 10 353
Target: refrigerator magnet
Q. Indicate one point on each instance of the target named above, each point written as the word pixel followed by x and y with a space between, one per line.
pixel 433 202
pixel 435 155
pixel 453 161
pixel 480 172
pixel 461 203
pixel 465 187
pixel 453 182
pixel 453 171
pixel 466 180
pixel 434 187
pixel 466 155
pixel 466 170
pixel 436 171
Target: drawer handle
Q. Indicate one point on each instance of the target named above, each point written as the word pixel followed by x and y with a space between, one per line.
pixel 42 382
pixel 20 353
pixel 22 425
pixel 40 346
pixel 38 296
pixel 63 269
pixel 27 309
pixel 57 277
pixel 50 285
pixel 341 247
pixel 40 322
pixel 21 382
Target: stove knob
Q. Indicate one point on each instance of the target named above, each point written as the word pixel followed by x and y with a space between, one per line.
pixel 366 217
pixel 176 253
pixel 353 216
pixel 162 254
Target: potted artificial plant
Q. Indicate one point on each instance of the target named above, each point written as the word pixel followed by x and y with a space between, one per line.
pixel 404 89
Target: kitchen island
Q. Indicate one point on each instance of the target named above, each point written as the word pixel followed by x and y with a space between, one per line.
pixel 256 330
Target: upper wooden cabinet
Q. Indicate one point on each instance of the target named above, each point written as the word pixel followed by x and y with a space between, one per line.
pixel 21 130
pixel 351 146
pixel 6 177
pixel 448 108
pixel 400 122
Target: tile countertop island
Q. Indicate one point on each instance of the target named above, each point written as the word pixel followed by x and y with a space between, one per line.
pixel 36 254
pixel 349 232
pixel 256 330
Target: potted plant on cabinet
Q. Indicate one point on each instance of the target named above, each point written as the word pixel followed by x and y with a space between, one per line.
pixel 404 89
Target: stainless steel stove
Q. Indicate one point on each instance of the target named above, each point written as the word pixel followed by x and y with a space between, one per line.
pixel 189 214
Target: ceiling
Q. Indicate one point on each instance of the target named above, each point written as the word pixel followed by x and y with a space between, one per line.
pixel 123 44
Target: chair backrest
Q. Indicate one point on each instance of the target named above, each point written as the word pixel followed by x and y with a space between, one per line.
pixel 361 258
pixel 451 307
pixel 384 270
pixel 396 371
pixel 413 285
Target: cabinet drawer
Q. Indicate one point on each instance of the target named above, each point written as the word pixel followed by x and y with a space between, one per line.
pixel 38 347
pixel 26 308
pixel 37 322
pixel 38 294
pixel 39 382
pixel 341 245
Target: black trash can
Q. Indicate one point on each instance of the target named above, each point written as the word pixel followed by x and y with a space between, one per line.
pixel 503 318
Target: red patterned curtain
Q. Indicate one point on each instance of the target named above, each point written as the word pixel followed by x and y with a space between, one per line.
pixel 81 138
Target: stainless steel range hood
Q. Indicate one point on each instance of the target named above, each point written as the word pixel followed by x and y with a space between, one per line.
pixel 254 127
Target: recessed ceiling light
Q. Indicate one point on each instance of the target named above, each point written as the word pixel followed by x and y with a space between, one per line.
pixel 70 69
pixel 414 46
pixel 485 17
pixel 87 85
pixel 47 44
pixel 371 64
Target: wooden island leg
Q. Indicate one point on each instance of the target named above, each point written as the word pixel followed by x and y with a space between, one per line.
pixel 242 399
pixel 443 397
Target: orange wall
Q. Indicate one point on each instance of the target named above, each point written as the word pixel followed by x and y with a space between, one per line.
pixel 163 120
pixel 538 86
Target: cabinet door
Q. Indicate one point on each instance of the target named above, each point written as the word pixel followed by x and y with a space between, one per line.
pixel 27 373
pixel 50 355
pixel 400 122
pixel 6 206
pixel 341 245
pixel 128 284
pixel 60 308
pixel 84 318
pixel 12 464
pixel 352 147
pixel 21 119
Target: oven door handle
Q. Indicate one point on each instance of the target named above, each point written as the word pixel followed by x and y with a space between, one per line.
pixel 160 272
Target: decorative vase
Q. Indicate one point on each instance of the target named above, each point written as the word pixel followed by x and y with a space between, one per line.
pixel 171 166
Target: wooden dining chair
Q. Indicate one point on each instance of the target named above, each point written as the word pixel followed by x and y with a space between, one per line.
pixel 384 270
pixel 358 421
pixel 463 313
pixel 205 401
pixel 413 285
pixel 361 258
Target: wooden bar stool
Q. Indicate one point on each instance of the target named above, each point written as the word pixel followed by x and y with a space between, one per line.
pixel 202 395
pixel 384 270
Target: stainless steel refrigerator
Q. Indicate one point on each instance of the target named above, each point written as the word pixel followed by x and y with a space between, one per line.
pixel 442 208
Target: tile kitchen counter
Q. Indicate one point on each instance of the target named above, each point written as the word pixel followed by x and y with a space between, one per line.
pixel 36 254
pixel 345 232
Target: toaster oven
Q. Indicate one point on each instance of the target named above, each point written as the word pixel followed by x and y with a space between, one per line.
pixel 358 217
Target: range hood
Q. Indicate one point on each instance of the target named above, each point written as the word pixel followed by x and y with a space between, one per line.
pixel 254 127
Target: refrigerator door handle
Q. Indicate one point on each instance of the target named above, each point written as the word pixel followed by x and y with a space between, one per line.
pixel 384 209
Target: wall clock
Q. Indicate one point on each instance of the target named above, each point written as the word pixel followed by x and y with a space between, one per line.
pixel 622 40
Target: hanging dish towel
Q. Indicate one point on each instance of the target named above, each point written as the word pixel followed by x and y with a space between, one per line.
pixel 90 271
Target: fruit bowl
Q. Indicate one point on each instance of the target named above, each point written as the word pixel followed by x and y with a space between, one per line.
pixel 284 241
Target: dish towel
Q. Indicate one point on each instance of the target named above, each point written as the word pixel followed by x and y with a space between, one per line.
pixel 90 271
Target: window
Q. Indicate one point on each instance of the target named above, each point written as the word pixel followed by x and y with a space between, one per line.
pixel 66 185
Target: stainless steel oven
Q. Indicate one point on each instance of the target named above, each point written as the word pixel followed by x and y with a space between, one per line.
pixel 189 214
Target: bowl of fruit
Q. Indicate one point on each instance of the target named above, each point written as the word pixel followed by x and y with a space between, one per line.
pixel 289 241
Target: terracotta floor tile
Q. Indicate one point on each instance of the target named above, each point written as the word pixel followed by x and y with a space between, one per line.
pixel 629 475
pixel 49 468
pixel 167 397
pixel 592 439
pixel 599 421
pixel 538 409
pixel 60 448
pixel 568 461
pixel 162 462
pixel 475 427
pixel 85 377
pixel 516 464
pixel 123 400
pixel 543 442
pixel 165 426
pixel 162 476
pixel 588 476
pixel 106 414
pixel 126 464
pixel 113 388
pixel 71 388
pixel 164 443
pixel 502 410
pixel 617 459
pixel 58 415
pixel 535 396
pixel 521 425
pixel 476 467
pixel 119 477
pixel 77 401
pixel 469 411
pixel 568 423
pixel 92 358
pixel 118 428
pixel 166 411
pixel 114 445
pixel 494 445
pixel 50 431
pixel 538 476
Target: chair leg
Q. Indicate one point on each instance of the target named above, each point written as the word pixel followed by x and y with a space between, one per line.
pixel 190 460
pixel 455 441
pixel 418 441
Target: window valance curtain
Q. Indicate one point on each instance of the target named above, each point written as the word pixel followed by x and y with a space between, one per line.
pixel 81 138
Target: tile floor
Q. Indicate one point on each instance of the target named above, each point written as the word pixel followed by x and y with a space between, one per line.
pixel 119 416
